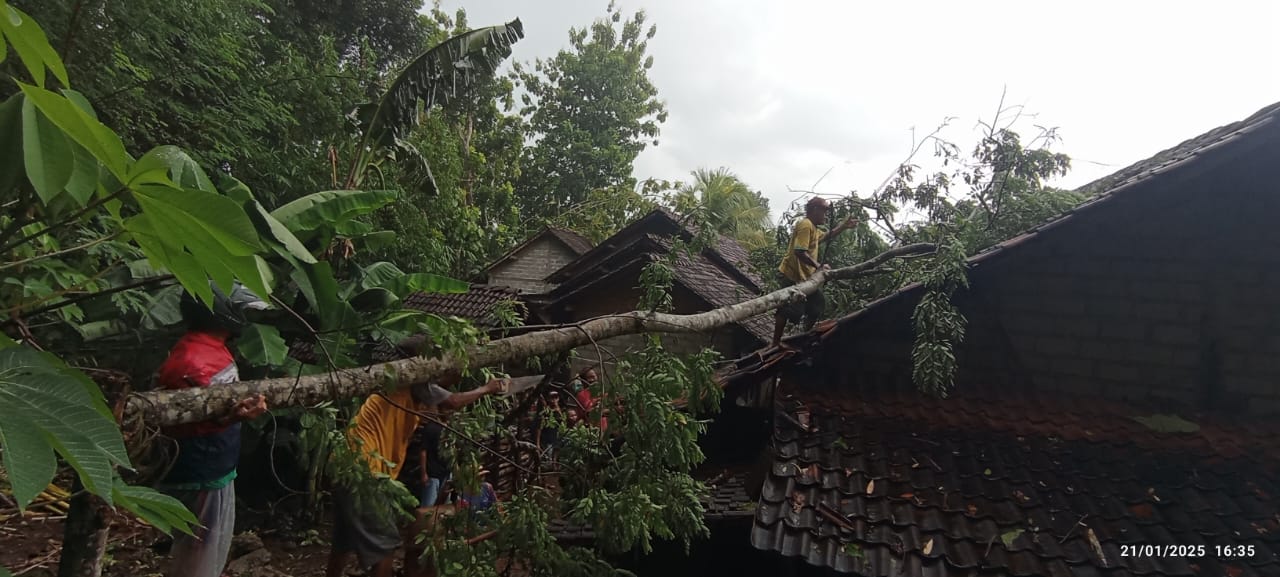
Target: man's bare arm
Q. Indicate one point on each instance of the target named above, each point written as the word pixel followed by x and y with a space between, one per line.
pixel 803 255
pixel 458 400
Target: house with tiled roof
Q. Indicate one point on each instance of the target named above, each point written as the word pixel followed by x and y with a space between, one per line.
pixel 1116 409
pixel 526 266
pixel 606 280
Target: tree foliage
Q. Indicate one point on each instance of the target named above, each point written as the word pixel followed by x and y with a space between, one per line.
pixel 591 110
pixel 729 206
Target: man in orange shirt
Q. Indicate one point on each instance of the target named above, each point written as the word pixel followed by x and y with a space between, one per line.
pixel 801 262
pixel 381 432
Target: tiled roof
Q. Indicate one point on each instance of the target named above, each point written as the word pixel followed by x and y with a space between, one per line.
pixel 476 305
pixel 710 281
pixel 1015 485
pixel 577 243
pixel 662 221
pixel 728 500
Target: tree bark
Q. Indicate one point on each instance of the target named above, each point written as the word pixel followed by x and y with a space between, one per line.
pixel 173 407
pixel 84 538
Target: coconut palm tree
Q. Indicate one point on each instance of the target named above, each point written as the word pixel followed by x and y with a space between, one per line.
pixel 728 204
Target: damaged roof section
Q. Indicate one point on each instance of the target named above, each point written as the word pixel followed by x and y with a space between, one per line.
pixel 899 484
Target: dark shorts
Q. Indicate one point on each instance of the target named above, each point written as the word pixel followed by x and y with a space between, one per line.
pixel 362 532
pixel 810 309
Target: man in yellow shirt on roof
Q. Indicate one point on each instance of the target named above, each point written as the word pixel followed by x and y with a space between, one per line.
pixel 801 261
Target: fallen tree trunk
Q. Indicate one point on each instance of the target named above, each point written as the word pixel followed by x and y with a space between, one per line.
pixel 173 407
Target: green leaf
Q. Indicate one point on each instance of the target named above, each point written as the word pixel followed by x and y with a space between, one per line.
pixel 425 282
pixel 437 77
pixel 84 177
pixel 329 209
pixel 47 153
pixel 162 511
pixel 28 459
pixel 11 157
pixel 1008 537
pixel 32 46
pixel 174 165
pixel 82 128
pixel 281 233
pixel 163 308
pixel 67 410
pixel 80 101
pixel 262 345
pixel 374 300
pixel 184 211
pixel 378 274
pixel 1168 424
pixel 377 240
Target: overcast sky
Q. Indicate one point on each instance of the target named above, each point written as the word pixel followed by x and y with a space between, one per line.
pixel 780 92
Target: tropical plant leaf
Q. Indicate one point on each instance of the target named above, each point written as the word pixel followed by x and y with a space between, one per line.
pixel 66 410
pixel 329 208
pixel 32 45
pixel 161 511
pixel 28 459
pixel 81 127
pixel 80 101
pixel 379 274
pixel 262 345
pixel 281 233
pixel 437 77
pixel 183 210
pixel 376 240
pixel 84 176
pixel 163 308
pixel 425 282
pixel 176 167
pixel 47 154
pixel 11 157
pixel 374 300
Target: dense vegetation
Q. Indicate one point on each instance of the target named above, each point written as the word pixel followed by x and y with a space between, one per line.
pixel 151 145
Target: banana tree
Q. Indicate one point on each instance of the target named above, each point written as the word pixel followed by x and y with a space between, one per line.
pixel 436 78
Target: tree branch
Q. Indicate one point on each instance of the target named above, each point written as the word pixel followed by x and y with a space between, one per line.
pixel 66 221
pixel 62 252
pixel 173 407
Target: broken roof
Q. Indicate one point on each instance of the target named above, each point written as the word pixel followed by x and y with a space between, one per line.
pixel 1009 484
pixel 712 282
pixel 663 222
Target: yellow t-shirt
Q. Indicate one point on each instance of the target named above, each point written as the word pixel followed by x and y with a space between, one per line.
pixel 805 237
pixel 385 429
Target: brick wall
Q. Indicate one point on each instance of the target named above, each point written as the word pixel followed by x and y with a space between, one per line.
pixel 1167 294
pixel 526 269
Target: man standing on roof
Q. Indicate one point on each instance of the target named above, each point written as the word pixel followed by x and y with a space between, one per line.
pixel 801 262
pixel 203 475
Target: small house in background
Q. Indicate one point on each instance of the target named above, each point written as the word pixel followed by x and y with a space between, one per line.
pixel 1116 409
pixel 606 280
pixel 526 267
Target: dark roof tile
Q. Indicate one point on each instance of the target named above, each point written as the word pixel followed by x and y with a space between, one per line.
pixel 986 491
pixel 476 305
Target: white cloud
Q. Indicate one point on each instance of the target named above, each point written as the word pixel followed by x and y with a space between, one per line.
pixel 783 91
